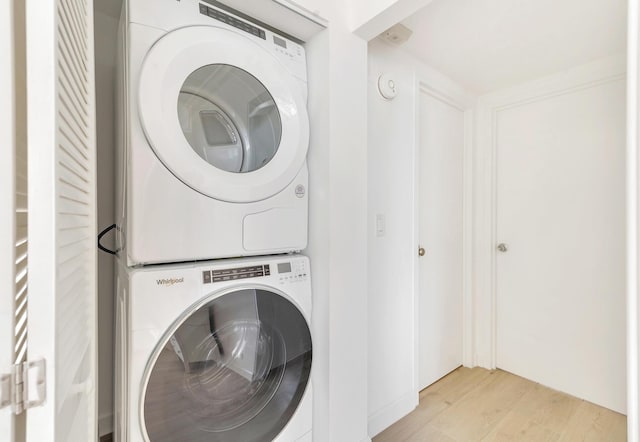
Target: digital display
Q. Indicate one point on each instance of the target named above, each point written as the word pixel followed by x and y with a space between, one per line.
pixel 280 42
pixel 284 267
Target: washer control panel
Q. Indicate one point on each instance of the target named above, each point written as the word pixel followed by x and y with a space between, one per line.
pixel 292 271
pixel 209 276
pixel 286 271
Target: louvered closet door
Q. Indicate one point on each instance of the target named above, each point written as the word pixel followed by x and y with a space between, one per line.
pixel 7 207
pixel 62 217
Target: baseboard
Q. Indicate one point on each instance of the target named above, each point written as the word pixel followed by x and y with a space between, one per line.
pixel 392 413
pixel 105 424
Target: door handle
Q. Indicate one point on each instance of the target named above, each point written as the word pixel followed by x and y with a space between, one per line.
pixel 502 247
pixel 421 251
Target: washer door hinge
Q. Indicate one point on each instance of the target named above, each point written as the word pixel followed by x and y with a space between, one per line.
pixel 25 387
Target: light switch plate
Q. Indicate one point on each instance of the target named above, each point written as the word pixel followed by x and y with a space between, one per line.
pixel 381 229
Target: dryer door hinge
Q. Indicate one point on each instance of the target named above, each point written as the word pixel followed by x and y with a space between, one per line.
pixel 25 387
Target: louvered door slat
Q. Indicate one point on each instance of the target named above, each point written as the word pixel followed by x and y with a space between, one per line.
pixel 77 18
pixel 72 37
pixel 73 166
pixel 70 221
pixel 72 140
pixel 70 110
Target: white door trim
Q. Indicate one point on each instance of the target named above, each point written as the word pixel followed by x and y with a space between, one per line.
pixel 633 250
pixel 485 162
pixel 426 85
pixel 7 204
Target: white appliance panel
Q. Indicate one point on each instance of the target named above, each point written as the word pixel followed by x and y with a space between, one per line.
pixel 157 302
pixel 163 217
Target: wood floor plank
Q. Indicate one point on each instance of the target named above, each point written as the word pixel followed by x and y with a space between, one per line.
pixel 455 385
pixel 541 415
pixel 433 400
pixel 516 427
pixel 547 407
pixel 450 389
pixel 477 413
pixel 430 434
pixel 481 405
pixel 592 423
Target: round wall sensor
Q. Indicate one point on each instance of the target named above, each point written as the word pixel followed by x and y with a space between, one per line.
pixel 387 87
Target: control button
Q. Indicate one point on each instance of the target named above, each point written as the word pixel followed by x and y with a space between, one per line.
pixel 206 277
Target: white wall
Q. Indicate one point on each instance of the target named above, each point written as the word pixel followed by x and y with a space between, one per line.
pixel 105 47
pixel 393 137
pixel 337 228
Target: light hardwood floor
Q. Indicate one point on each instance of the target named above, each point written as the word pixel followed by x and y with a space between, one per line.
pixel 481 405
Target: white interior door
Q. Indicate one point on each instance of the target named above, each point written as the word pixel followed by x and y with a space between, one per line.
pixel 561 216
pixel 7 208
pixel 440 234
pixel 62 217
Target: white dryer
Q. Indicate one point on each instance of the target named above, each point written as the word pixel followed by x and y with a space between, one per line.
pixel 217 351
pixel 213 134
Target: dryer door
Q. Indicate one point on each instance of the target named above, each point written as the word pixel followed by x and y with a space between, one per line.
pixel 234 368
pixel 223 114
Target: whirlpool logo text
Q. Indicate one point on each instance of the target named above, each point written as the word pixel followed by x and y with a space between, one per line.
pixel 169 282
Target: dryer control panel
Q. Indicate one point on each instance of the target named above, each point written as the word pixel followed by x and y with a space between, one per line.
pixel 286 48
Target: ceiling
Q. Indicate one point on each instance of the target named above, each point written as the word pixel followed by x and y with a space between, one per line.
pixel 489 44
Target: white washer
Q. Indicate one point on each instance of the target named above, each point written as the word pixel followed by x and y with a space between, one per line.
pixel 215 351
pixel 213 135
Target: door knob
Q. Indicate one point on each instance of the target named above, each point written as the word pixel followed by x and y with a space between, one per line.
pixel 421 251
pixel 502 247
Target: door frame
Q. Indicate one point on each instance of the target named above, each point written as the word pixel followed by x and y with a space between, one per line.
pixel 435 85
pixel 485 183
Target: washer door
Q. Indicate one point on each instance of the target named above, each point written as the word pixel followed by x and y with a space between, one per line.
pixel 234 368
pixel 223 114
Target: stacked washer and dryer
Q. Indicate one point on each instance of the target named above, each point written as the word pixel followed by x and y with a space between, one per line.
pixel 213 334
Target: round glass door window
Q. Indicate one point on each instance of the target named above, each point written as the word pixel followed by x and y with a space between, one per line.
pixel 234 370
pixel 229 118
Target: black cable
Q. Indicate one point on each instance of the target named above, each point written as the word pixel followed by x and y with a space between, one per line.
pixel 103 233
